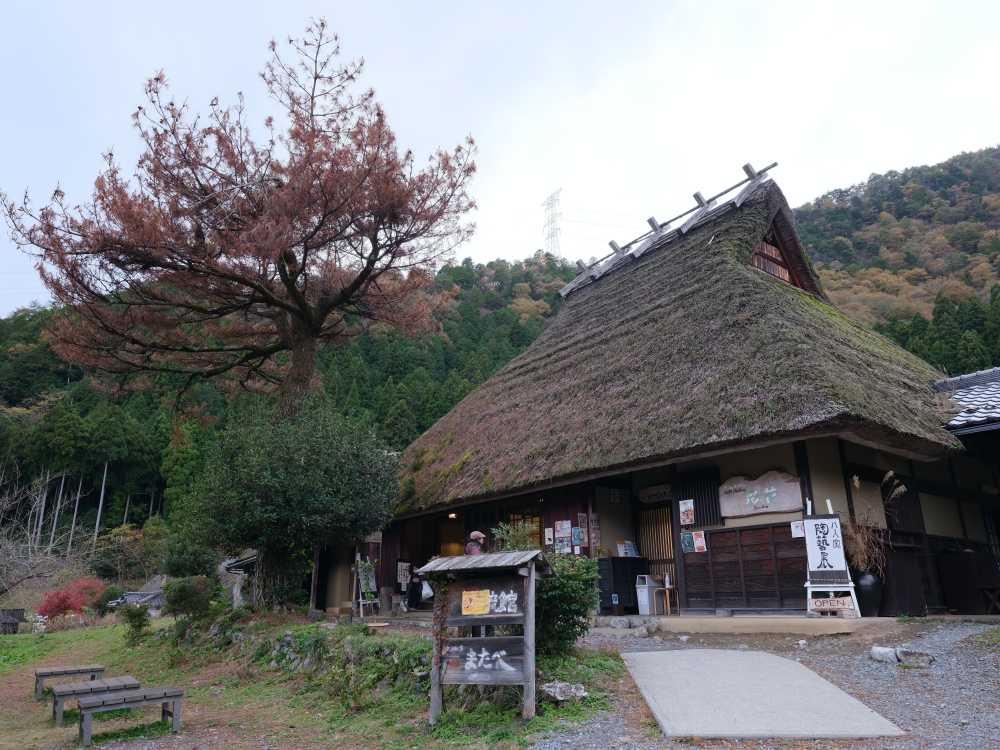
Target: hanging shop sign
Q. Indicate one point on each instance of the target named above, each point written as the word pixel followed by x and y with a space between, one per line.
pixel 774 492
pixel 659 494
pixel 825 544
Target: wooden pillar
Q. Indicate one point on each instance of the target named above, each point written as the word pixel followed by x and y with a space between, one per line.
pixel 802 467
pixel 529 644
pixel 437 691
pixel 314 584
pixel 847 478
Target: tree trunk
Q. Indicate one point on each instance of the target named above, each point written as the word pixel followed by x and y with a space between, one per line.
pixel 127 501
pixel 100 505
pixel 298 379
pixel 55 516
pixel 41 515
pixel 72 528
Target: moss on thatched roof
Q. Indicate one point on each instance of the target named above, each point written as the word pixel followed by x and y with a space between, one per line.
pixel 685 351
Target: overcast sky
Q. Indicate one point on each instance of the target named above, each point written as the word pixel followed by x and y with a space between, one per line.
pixel 629 108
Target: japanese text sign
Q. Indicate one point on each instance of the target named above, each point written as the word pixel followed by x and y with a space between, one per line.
pixel 824 544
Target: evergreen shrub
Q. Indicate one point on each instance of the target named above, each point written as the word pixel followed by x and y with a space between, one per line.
pixel 110 594
pixel 191 597
pixel 564 603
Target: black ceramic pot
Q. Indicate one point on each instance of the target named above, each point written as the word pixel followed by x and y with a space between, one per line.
pixel 868 589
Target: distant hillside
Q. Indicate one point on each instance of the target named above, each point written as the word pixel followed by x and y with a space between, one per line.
pixel 915 254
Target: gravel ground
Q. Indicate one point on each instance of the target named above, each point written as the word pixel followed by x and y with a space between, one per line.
pixel 950 704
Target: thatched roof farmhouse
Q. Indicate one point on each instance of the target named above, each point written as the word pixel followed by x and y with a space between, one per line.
pixel 693 399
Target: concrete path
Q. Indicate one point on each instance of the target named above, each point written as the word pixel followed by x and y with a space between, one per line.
pixel 715 694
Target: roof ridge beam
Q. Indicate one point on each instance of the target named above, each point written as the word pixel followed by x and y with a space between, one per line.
pixel 704 208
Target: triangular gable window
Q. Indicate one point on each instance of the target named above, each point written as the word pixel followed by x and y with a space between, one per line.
pixel 772 258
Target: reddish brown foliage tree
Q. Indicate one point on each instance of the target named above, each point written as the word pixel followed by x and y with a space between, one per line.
pixel 225 255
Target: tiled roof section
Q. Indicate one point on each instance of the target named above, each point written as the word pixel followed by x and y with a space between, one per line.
pixel 979 395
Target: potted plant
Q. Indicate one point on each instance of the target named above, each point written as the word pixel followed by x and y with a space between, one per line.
pixel 865 553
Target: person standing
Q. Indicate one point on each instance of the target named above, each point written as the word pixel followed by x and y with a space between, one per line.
pixel 414 587
pixel 475 544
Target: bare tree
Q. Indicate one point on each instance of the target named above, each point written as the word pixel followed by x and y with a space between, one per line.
pixel 22 559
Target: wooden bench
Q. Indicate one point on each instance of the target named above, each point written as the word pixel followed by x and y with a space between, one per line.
pixel 75 690
pixel 94 671
pixel 133 699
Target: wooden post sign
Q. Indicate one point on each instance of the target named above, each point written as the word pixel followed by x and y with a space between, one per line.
pixel 487 590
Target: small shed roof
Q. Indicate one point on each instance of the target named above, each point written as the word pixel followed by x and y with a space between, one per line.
pixel 485 561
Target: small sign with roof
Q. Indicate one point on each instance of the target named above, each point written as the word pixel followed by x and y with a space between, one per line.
pixel 483 591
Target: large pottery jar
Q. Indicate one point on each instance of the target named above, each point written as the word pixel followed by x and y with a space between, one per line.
pixel 868 589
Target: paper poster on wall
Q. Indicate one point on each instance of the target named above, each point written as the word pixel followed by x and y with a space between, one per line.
pixel 699 541
pixel 687 512
pixel 403 573
pixel 687 541
pixel 627 549
pixel 581 520
pixel 824 544
pixel 564 529
pixel 548 535
pixel 476 602
pixel 595 521
pixel 563 545
pixel 595 538
pixel 798 529
pixel 575 535
pixel 576 550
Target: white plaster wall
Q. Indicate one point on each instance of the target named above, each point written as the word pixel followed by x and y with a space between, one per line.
pixel 338 582
pixel 826 475
pixel 860 454
pixel 616 520
pixel 868 497
pixel 940 515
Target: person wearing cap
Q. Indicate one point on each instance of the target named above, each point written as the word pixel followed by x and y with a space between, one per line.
pixel 475 544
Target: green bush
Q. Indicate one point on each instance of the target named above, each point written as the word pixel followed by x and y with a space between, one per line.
pixel 190 597
pixel 136 619
pixel 564 602
pixel 185 559
pixel 110 594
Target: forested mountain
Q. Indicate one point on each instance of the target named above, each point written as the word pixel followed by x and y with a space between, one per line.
pixel 915 254
pixel 53 420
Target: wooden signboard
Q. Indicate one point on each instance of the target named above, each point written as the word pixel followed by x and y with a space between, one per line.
pixel 483 661
pixel 484 595
pixel 831 604
pixel 773 492
pixel 825 548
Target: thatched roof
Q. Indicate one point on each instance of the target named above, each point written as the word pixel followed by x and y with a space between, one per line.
pixel 686 350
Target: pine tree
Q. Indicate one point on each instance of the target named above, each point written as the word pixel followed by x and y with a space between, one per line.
pixel 399 428
pixel 352 404
pixel 432 405
pixel 387 398
pixel 971 315
pixel 972 354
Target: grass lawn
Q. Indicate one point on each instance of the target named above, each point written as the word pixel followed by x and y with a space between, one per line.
pixel 236 697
